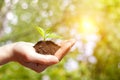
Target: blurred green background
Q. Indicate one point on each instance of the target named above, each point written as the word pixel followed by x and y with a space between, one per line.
pixel 95 24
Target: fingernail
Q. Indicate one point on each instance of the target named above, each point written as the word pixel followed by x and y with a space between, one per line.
pixel 71 42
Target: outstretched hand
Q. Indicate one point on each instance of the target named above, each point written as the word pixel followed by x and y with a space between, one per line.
pixel 25 54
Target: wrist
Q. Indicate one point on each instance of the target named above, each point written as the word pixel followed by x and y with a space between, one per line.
pixel 6 53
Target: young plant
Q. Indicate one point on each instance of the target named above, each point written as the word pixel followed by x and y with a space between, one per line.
pixel 46 47
pixel 45 34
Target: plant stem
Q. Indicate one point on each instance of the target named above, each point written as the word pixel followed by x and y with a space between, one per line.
pixel 44 38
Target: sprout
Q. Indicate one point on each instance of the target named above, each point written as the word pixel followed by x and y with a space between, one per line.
pixel 46 33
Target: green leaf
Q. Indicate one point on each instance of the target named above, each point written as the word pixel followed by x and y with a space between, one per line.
pixel 41 31
pixel 52 35
pixel 48 31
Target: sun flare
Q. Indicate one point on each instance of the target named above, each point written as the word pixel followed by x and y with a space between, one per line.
pixel 88 26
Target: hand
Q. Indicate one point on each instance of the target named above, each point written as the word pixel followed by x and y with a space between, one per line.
pixel 25 54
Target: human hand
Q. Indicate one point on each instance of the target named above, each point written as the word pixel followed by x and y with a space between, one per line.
pixel 25 54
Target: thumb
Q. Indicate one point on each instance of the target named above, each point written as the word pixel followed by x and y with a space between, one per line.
pixel 43 59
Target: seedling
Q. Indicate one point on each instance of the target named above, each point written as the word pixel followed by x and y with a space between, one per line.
pixel 45 34
pixel 44 46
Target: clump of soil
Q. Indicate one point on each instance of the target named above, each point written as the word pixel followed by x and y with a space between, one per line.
pixel 46 47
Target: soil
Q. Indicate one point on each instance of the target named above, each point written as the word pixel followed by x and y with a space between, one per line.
pixel 46 47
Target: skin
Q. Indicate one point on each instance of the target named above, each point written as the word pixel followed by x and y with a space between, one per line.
pixel 24 53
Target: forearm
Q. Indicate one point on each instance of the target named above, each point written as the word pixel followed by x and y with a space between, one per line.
pixel 6 53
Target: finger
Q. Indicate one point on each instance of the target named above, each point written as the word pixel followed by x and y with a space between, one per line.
pixel 30 55
pixel 33 66
pixel 44 59
pixel 72 41
pixel 65 47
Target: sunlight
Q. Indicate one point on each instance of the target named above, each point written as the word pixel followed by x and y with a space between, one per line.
pixel 88 26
